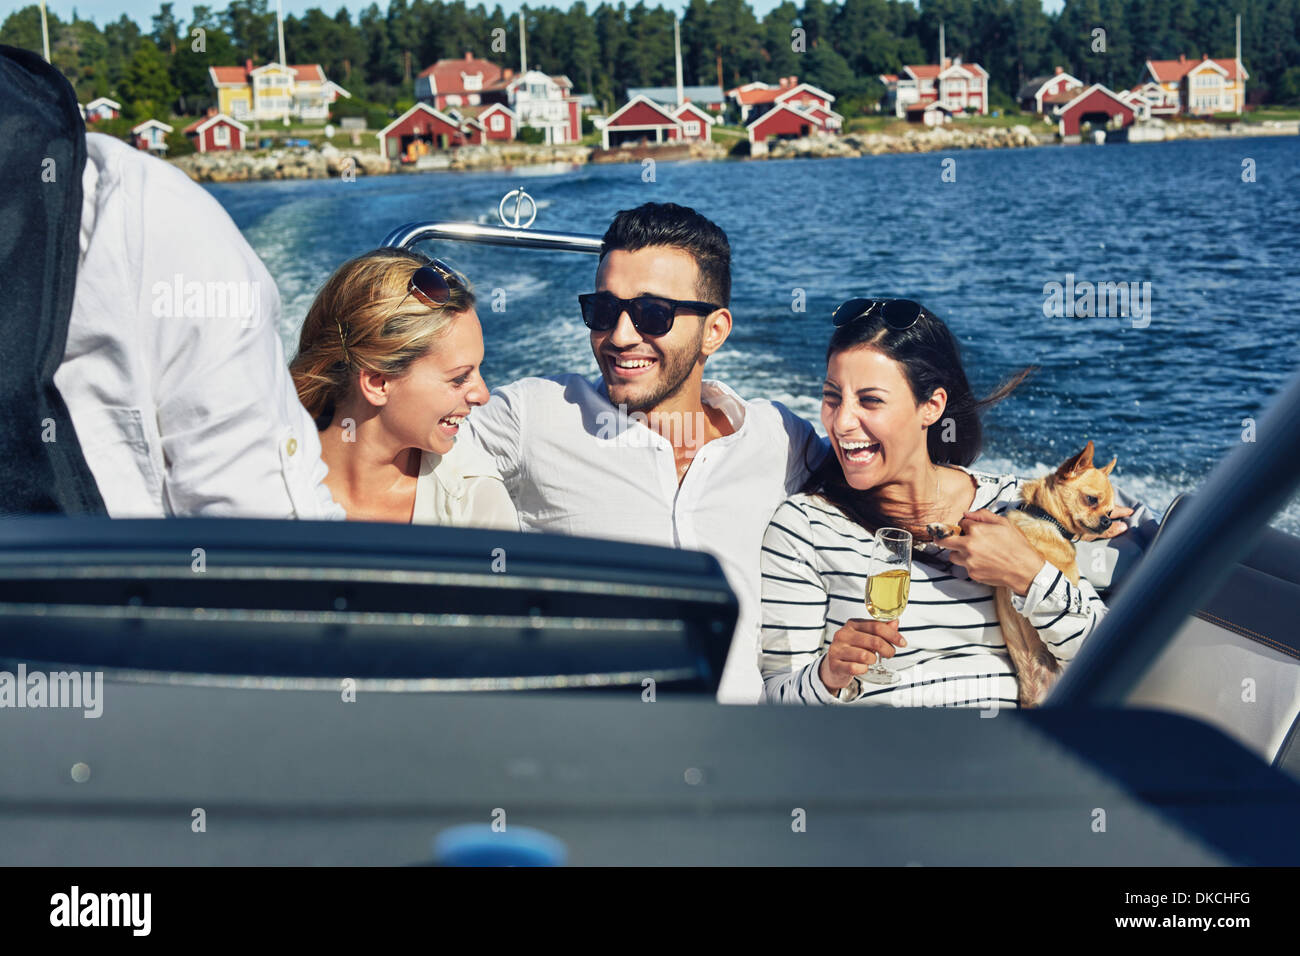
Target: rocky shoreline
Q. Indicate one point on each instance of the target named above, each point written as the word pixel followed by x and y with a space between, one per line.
pixel 343 163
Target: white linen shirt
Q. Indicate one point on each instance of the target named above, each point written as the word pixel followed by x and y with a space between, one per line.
pixel 574 466
pixel 173 374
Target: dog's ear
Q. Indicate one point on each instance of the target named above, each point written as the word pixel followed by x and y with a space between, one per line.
pixel 1107 469
pixel 1076 465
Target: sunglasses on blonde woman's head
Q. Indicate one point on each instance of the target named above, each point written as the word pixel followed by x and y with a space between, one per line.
pixel 898 314
pixel 431 284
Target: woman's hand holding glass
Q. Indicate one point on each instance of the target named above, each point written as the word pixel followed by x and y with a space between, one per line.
pixel 855 647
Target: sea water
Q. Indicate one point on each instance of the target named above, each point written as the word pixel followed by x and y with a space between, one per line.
pixel 1170 378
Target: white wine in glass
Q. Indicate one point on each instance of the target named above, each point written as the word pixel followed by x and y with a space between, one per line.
pixel 889 578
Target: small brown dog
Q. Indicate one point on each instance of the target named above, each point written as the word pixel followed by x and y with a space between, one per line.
pixel 1074 502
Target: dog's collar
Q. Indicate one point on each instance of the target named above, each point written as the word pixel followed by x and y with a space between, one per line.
pixel 1036 512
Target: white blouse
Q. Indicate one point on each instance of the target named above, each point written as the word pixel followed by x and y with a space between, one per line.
pixel 815 562
pixel 462 488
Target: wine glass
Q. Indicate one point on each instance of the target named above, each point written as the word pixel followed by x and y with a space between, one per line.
pixel 889 577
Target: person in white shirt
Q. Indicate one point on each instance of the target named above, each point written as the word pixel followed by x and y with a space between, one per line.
pixel 652 452
pixel 173 374
pixel 904 425
pixel 388 366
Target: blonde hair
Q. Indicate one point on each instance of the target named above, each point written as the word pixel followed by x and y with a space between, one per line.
pixel 363 318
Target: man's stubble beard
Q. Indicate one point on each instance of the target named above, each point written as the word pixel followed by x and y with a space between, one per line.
pixel 676 369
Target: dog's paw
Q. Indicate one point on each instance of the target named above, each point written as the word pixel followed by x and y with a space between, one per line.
pixel 941 531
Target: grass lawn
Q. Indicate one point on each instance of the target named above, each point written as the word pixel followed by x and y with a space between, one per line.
pixel 893 126
pixel 1272 113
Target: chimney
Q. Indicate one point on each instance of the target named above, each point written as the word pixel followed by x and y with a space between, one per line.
pixel 248 66
pixel 1060 70
pixel 469 54
pixel 1182 58
pixel 507 73
pixel 212 111
pixel 946 63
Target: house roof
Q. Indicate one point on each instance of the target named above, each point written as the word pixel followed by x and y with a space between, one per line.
pixel 203 122
pixel 448 76
pixel 1064 96
pixel 669 118
pixel 1172 71
pixel 238 75
pixel 931 71
pixel 754 93
pixel 667 95
pixel 692 108
pixel 1031 88
pixel 151 123
pixel 1098 87
pixel 103 101
pixel 419 107
pixel 478 111
pixel 787 107
pixel 807 88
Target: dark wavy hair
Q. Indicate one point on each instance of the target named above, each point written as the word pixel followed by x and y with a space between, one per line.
pixel 930 358
pixel 668 224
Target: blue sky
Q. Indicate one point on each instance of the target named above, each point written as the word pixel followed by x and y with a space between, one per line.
pixel 141 11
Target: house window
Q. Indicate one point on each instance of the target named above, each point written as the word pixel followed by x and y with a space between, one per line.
pixel 453 99
pixel 221 135
pixel 473 81
pixel 537 91
pixel 498 122
pixel 691 127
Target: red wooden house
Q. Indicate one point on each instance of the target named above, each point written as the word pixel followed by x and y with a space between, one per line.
pixel 499 122
pixel 1043 94
pixel 1096 105
pixel 216 132
pixel 783 122
pixel 954 85
pixel 696 125
pixel 640 118
pixel 420 130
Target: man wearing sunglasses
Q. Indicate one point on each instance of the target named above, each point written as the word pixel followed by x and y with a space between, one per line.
pixel 653 452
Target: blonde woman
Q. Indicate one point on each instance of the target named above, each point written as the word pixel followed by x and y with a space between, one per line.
pixel 388 365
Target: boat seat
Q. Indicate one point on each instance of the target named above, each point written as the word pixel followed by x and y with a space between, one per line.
pixel 1236 662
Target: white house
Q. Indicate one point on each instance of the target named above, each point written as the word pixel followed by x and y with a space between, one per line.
pixel 102 108
pixel 952 84
pixel 150 136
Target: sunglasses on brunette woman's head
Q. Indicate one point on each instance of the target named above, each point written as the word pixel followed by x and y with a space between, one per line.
pixel 897 314
pixel 650 314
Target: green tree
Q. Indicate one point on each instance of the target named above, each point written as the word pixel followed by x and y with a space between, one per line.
pixel 146 88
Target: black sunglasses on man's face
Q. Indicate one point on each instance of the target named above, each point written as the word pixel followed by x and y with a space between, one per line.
pixel 650 314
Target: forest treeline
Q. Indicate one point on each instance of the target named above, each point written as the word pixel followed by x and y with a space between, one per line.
pixel 841 47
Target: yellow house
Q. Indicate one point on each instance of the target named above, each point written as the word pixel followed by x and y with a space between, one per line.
pixel 1197 87
pixel 272 91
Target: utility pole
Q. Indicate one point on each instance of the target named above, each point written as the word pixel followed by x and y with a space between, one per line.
pixel 1239 86
pixel 284 64
pixel 677 45
pixel 44 30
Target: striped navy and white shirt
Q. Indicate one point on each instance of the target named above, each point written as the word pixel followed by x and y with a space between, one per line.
pixel 815 562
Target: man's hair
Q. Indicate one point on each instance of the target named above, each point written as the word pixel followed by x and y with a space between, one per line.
pixel 668 224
